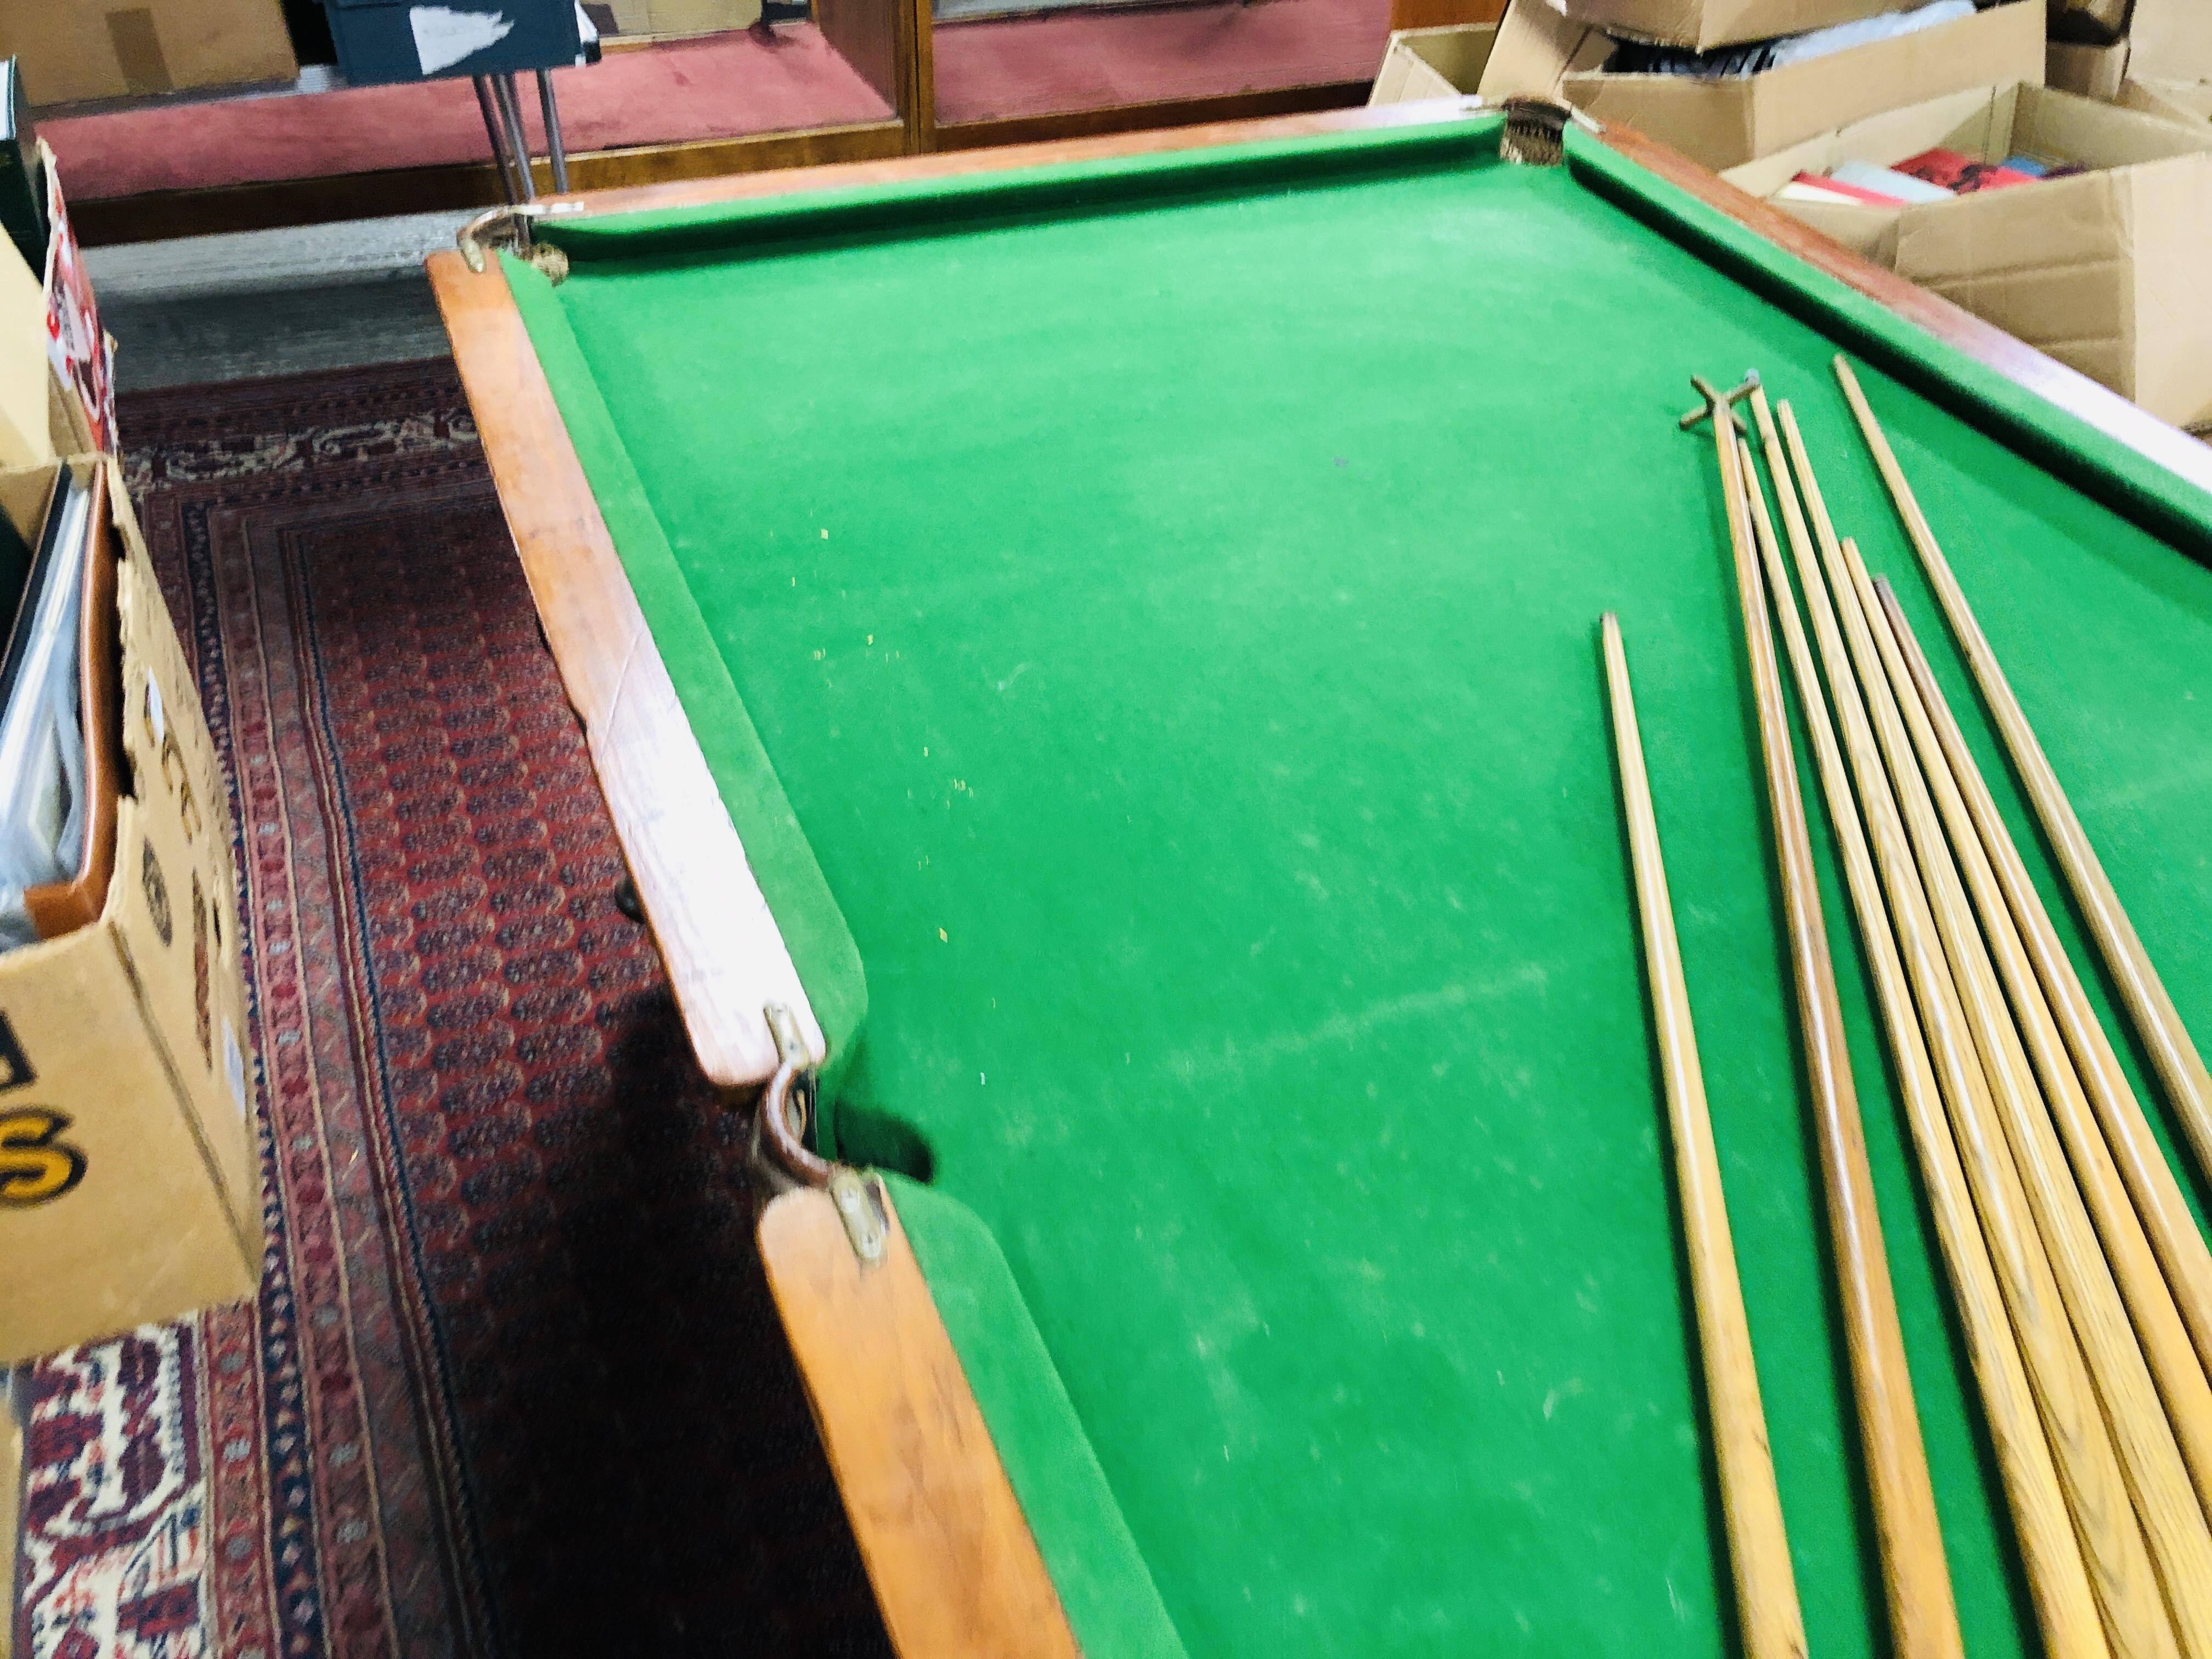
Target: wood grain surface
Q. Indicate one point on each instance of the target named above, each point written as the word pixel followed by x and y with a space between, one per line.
pixel 725 955
pixel 2113 1549
pixel 2158 1476
pixel 1924 1616
pixel 1768 1612
pixel 952 1558
pixel 2065 1607
pixel 1209 109
pixel 2181 1248
pixel 704 193
pixel 2150 1305
pixel 2173 1053
pixel 460 187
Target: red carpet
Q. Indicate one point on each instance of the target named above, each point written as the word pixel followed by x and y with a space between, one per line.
pixel 724 87
pixel 733 85
pixel 514 1384
pixel 1095 60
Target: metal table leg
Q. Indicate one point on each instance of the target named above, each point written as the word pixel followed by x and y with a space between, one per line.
pixel 494 130
pixel 554 147
pixel 510 109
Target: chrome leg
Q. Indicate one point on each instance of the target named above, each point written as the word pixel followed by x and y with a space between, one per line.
pixel 554 147
pixel 510 107
pixel 495 128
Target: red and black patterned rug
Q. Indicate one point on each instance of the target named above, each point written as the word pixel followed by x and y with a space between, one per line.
pixel 514 1384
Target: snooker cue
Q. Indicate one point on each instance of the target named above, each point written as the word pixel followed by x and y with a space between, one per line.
pixel 2066 1609
pixel 1767 1611
pixel 2166 1346
pixel 2165 1213
pixel 2112 1544
pixel 2142 1433
pixel 1923 1618
pixel 2158 1479
pixel 2157 1022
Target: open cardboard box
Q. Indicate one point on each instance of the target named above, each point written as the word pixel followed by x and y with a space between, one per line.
pixel 1703 25
pixel 2102 270
pixel 1726 122
pixel 74 50
pixel 1438 63
pixel 2171 40
pixel 2169 60
pixel 2189 102
pixel 2163 66
pixel 130 1177
pixel 27 390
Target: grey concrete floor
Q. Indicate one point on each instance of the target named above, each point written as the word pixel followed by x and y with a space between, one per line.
pixel 270 302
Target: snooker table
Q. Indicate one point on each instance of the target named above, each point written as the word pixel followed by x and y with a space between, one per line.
pixel 1102 641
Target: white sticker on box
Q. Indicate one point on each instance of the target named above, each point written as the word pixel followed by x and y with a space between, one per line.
pixel 234 1067
pixel 443 36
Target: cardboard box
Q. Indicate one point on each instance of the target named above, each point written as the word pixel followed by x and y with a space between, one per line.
pixel 73 50
pixel 683 16
pixel 26 433
pixel 1435 63
pixel 2163 68
pixel 2172 41
pixel 78 350
pixel 130 1177
pixel 2189 102
pixel 1725 123
pixel 1702 25
pixel 69 407
pixel 2102 270
pixel 1722 123
pixel 2090 71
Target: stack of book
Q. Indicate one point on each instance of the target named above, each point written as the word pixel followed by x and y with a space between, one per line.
pixel 44 794
pixel 1933 175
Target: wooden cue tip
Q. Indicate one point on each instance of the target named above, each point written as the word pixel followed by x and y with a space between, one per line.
pixel 1895 610
pixel 1611 647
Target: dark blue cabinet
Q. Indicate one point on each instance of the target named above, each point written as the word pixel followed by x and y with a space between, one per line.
pixel 380 41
